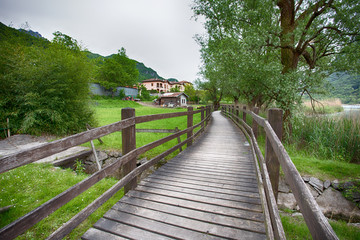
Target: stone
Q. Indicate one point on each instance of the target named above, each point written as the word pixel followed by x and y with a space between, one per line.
pixel 306 179
pixel 333 205
pixel 297 214
pixel 283 187
pixel 312 190
pixel 335 184
pixel 327 184
pixel 317 184
pixel 286 200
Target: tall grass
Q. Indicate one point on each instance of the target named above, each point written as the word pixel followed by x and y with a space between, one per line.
pixel 325 106
pixel 336 137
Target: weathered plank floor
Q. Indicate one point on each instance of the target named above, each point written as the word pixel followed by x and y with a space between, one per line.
pixel 208 191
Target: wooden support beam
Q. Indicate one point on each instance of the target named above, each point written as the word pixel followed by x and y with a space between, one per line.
pixel 129 144
pixel 190 123
pixel 272 162
pixel 244 113
pixel 254 124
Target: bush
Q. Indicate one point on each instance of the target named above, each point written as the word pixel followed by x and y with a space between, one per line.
pixel 44 90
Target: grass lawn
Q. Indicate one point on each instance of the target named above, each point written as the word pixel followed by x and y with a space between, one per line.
pixel 109 111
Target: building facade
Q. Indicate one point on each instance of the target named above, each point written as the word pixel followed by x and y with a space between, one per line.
pixel 163 85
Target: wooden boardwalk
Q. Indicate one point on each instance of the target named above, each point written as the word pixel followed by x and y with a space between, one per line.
pixel 209 191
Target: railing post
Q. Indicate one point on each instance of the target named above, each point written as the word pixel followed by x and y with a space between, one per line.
pixel 244 114
pixel 129 144
pixel 190 124
pixel 202 117
pixel 272 163
pixel 208 110
pixel 254 124
pixel 237 113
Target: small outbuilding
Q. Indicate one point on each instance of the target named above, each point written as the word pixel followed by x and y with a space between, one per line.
pixel 176 99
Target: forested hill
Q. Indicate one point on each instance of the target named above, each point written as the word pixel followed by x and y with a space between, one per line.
pixel 345 87
pixel 29 37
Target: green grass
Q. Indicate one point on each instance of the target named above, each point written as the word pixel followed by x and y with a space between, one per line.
pixel 108 111
pixel 295 228
pixel 30 186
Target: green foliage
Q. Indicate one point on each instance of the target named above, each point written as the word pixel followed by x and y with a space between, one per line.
pixel 79 166
pixel 117 71
pixel 44 90
pixel 145 94
pixel 194 95
pixel 175 89
pixel 30 186
pixel 274 52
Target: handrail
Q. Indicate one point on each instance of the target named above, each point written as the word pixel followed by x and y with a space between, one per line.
pixel 314 218
pixel 20 225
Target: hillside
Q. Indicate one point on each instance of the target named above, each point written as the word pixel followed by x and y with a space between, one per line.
pixel 345 87
pixel 29 37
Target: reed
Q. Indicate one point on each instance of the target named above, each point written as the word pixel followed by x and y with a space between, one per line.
pixel 330 137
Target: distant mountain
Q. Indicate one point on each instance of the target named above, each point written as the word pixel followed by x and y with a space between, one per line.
pixel 146 72
pixel 26 37
pixel 173 80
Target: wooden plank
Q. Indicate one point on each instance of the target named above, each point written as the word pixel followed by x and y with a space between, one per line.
pixel 182 227
pixel 239 184
pixel 248 177
pixel 200 192
pixel 154 225
pixel 190 123
pixel 192 214
pixel 95 234
pixel 201 206
pixel 31 155
pixel 210 166
pixel 203 188
pixel 202 199
pixel 127 231
pixel 213 171
pixel 156 130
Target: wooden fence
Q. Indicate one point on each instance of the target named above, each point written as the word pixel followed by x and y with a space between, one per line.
pixel 128 162
pixel 276 156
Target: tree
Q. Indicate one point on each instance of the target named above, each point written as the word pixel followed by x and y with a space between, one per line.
pixel 304 35
pixel 117 70
pixel 175 89
pixel 45 89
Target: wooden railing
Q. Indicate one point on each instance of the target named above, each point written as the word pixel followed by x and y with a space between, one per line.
pixel 128 162
pixel 276 156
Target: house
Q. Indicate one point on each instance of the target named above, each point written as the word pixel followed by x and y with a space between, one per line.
pixel 173 99
pixel 163 85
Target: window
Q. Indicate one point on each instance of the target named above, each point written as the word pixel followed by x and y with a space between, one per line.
pixel 152 84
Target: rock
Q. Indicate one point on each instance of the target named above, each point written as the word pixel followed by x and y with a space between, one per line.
pixel 327 184
pixel 335 184
pixel 141 161
pixel 306 179
pixel 114 154
pixel 317 184
pixel 286 200
pixel 334 205
pixel 283 187
pixel 312 190
pixel 297 214
pixel 354 224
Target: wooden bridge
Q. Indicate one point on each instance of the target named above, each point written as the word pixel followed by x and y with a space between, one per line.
pixel 220 187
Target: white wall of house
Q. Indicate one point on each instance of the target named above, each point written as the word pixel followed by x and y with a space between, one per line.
pixel 183 100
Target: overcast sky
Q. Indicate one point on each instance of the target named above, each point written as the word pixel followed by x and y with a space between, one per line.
pixel 159 33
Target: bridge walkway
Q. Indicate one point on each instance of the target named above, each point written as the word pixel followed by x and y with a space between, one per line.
pixel 209 191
